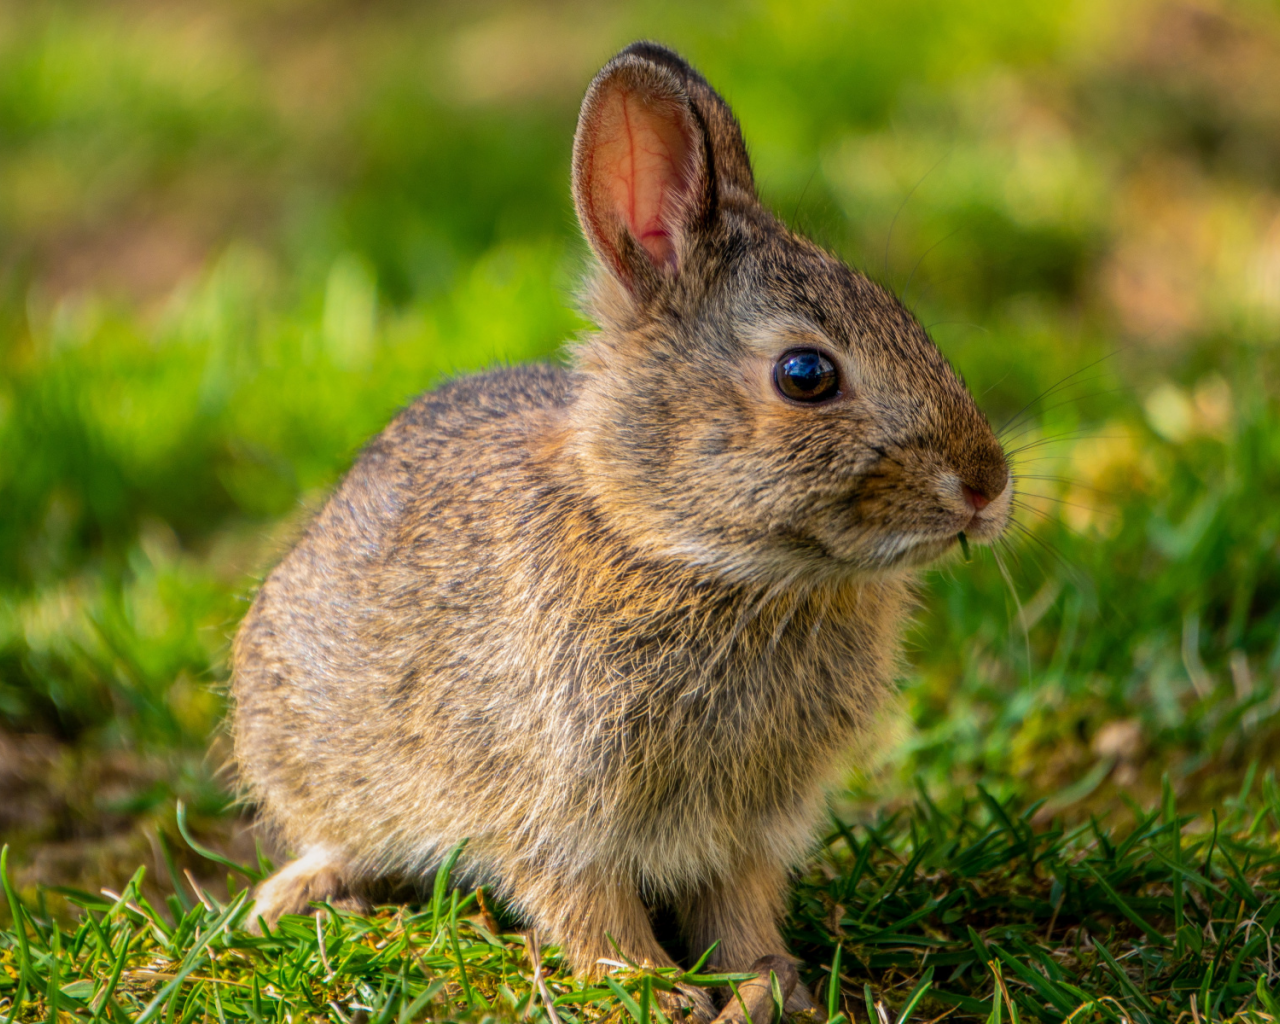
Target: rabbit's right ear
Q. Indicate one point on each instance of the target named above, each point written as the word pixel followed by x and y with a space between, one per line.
pixel 655 153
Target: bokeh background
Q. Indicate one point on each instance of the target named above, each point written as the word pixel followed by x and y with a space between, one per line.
pixel 235 237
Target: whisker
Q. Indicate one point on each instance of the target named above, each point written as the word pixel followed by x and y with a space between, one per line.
pixel 1030 425
pixel 888 242
pixel 1014 554
pixel 964 323
pixel 1073 572
pixel 1078 434
pixel 997 383
pixel 1060 566
pixel 1017 551
pixel 804 192
pixel 1042 458
pixel 1025 531
pixel 1013 592
pixel 907 286
pixel 1074 433
pixel 1047 392
pixel 1021 506
pixel 1027 426
pixel 1026 414
pixel 1074 504
pixel 1064 480
pixel 1031 554
pixel 1037 512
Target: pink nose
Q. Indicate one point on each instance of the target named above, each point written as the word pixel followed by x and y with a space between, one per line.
pixel 976 499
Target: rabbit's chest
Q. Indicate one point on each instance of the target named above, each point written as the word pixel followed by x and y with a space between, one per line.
pixel 711 778
pixel 753 739
pixel 710 724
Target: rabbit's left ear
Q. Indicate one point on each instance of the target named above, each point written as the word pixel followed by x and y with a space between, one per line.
pixel 647 173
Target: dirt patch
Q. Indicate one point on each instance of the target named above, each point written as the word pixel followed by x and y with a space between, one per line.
pixel 86 820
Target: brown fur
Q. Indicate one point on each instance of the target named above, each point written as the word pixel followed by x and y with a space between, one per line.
pixel 621 624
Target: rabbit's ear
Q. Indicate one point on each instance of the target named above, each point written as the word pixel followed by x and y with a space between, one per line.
pixel 656 149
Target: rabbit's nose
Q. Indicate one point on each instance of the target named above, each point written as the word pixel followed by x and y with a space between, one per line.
pixel 976 499
pixel 981 485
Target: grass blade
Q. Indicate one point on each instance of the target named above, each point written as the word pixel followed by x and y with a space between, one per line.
pixel 441 884
pixel 1124 908
pixel 208 854
pixel 925 983
pixel 833 986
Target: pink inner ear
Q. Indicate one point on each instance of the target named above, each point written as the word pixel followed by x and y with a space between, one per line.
pixel 640 167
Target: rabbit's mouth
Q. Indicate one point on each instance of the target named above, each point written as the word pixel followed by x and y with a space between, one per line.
pixel 987 522
pixel 889 548
pixel 918 550
pixel 907 551
pixel 927 552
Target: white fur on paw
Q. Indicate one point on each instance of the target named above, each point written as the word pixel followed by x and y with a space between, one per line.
pixel 280 893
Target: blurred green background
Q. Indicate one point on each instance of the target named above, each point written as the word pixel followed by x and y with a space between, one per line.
pixel 235 237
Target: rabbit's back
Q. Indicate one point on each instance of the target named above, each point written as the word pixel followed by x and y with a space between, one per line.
pixel 377 642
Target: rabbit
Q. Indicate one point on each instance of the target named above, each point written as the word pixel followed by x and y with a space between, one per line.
pixel 621 624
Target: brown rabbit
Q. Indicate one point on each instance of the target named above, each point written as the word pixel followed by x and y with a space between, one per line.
pixel 621 624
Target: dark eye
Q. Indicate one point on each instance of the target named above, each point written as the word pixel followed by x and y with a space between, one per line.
pixel 806 375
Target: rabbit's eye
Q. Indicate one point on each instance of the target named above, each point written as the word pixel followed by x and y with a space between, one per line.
pixel 806 375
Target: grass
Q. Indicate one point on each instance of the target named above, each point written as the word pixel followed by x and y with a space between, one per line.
pixel 972 914
pixel 234 239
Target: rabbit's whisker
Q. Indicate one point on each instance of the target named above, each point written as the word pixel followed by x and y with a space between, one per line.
pixel 1013 592
pixel 1054 388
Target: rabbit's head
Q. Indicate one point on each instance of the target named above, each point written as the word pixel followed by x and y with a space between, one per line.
pixel 750 404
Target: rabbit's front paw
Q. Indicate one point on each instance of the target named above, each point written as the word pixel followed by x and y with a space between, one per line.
pixel 317 875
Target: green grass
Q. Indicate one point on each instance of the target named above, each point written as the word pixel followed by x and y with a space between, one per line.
pixel 972 912
pixel 234 239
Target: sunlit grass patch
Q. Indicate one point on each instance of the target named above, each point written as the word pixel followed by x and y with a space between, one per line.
pixel 974 914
